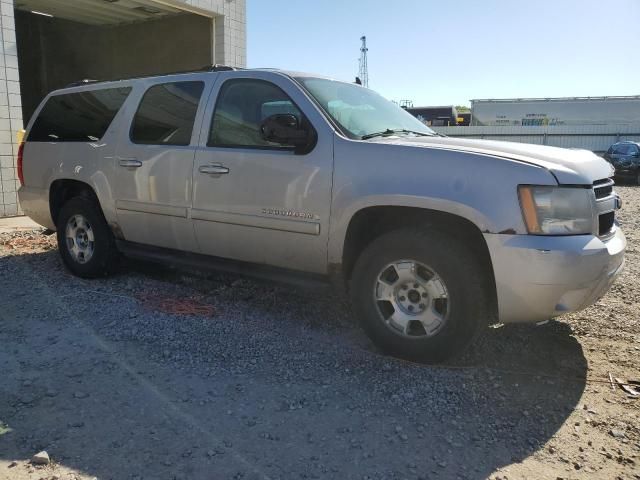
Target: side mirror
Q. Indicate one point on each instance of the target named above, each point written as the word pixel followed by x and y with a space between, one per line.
pixel 285 129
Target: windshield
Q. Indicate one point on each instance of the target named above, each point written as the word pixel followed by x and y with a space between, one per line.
pixel 361 112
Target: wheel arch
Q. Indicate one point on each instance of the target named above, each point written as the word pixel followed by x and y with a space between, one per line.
pixel 371 222
pixel 62 190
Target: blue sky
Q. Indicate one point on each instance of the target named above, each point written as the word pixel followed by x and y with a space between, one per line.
pixel 448 52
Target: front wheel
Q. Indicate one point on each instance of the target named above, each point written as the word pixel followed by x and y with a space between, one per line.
pixel 420 294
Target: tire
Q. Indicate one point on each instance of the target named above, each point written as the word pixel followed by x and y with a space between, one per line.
pixel 450 279
pixel 82 225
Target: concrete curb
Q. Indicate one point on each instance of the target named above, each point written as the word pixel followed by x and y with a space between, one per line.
pixel 13 224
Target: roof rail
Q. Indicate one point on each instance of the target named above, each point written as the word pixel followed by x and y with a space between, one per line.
pixel 217 67
pixel 79 83
pixel 207 68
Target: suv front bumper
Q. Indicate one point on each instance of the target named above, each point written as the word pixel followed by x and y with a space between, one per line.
pixel 539 277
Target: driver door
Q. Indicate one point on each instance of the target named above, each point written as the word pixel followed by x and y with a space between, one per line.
pixel 255 200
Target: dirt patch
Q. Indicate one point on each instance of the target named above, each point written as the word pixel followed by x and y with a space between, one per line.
pixel 25 242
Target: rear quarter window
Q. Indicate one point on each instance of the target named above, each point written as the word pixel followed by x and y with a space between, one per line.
pixel 167 113
pixel 78 117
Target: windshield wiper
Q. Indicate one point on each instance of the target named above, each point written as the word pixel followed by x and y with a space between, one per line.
pixel 389 131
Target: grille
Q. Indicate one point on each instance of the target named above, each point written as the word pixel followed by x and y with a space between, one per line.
pixel 605 223
pixel 603 188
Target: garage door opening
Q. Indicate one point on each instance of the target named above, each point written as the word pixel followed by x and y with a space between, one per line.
pixel 64 41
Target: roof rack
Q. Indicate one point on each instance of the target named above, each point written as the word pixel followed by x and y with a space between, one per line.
pixel 79 83
pixel 207 68
pixel 217 67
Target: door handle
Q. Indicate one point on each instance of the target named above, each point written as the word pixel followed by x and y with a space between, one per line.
pixel 213 169
pixel 129 162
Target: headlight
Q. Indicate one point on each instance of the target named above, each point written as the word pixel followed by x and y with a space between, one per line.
pixel 557 210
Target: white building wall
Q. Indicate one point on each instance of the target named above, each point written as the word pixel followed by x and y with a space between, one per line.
pixel 230 40
pixel 556 111
pixel 597 138
pixel 10 111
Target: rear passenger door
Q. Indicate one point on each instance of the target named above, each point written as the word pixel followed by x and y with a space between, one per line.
pixel 154 162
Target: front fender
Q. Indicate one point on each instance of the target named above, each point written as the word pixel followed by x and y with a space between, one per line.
pixel 340 223
pixel 480 188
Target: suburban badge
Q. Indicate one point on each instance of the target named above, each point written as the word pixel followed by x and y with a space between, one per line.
pixel 287 213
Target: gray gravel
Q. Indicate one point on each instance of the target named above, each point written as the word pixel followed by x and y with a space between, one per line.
pixel 278 383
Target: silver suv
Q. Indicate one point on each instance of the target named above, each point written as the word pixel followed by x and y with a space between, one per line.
pixel 285 174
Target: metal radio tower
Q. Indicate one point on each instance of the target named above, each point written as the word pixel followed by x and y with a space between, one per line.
pixel 363 72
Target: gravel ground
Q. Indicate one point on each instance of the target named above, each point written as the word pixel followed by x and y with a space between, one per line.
pixel 163 374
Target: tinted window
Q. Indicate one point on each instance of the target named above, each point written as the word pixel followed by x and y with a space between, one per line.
pixel 166 114
pixel 241 108
pixel 77 117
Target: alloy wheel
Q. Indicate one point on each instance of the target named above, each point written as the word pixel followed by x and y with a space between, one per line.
pixel 411 298
pixel 80 238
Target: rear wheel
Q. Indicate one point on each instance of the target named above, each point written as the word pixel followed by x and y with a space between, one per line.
pixel 420 294
pixel 85 242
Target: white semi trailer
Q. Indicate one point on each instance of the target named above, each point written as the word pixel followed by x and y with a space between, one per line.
pixel 556 111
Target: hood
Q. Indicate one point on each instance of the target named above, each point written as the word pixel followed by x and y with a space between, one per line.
pixel 569 166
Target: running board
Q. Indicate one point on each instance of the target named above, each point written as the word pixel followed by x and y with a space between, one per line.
pixel 177 258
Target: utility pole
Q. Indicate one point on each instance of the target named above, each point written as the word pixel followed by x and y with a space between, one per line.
pixel 363 71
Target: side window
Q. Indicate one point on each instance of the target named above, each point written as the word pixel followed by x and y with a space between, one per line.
pixel 78 117
pixel 633 149
pixel 278 106
pixel 166 114
pixel 241 107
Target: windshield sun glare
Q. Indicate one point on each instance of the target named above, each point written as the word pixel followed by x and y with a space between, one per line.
pixel 360 112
